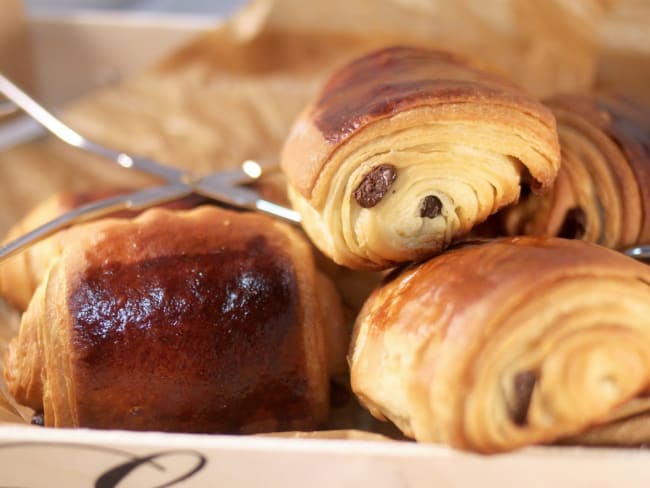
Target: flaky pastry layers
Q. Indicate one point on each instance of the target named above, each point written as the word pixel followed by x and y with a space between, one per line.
pixel 602 192
pixel 406 149
pixel 495 346
pixel 200 321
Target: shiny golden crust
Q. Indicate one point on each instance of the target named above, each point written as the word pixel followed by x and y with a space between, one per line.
pixel 515 342
pixel 435 128
pixel 201 321
pixel 602 192
pixel 20 275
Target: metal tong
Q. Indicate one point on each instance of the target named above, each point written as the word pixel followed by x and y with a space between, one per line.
pixel 221 186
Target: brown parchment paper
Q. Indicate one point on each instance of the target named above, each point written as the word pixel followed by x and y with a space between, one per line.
pixel 232 93
pixel 15 55
pixel 623 54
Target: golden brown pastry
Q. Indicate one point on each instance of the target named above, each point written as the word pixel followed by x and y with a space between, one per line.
pixel 406 149
pixel 602 192
pixel 519 341
pixel 21 274
pixel 204 320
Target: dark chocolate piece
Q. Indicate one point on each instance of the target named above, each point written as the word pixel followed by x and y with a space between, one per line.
pixel 430 207
pixel 574 225
pixel 524 385
pixel 38 419
pixel 375 185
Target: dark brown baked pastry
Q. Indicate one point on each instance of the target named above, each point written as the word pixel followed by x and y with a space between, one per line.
pixel 520 341
pixel 406 149
pixel 200 321
pixel 602 192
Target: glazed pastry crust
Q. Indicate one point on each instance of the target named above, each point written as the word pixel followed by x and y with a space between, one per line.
pixel 515 342
pixel 448 129
pixel 21 274
pixel 200 321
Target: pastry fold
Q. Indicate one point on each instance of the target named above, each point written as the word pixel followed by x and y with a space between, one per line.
pixel 204 320
pixel 406 149
pixel 521 341
pixel 602 192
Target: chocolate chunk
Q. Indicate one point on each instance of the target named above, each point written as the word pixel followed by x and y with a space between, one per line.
pixel 574 225
pixel 38 419
pixel 524 385
pixel 375 185
pixel 430 207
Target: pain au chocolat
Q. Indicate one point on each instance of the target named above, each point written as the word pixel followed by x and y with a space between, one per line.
pixel 203 320
pixel 602 192
pixel 503 344
pixel 406 149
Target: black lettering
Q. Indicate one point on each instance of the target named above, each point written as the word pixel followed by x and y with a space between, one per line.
pixel 112 477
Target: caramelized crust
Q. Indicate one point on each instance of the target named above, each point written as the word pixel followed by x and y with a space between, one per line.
pixel 498 345
pixel 198 321
pixel 387 82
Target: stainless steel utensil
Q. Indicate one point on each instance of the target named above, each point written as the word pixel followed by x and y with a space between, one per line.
pixel 640 252
pixel 221 186
pixel 7 108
